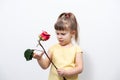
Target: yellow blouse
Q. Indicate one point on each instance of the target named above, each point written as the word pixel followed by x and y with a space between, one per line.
pixel 63 58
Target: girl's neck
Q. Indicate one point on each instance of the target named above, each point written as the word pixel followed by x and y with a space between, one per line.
pixel 67 45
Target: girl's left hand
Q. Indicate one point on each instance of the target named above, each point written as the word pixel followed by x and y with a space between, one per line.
pixel 61 72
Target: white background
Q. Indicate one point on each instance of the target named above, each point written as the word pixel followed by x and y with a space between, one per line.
pixel 21 21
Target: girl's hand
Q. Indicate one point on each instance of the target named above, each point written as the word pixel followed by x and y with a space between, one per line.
pixel 61 72
pixel 37 56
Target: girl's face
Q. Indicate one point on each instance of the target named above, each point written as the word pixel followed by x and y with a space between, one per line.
pixel 64 37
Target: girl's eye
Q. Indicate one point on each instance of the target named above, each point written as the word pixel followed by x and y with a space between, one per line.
pixel 62 33
pixel 57 33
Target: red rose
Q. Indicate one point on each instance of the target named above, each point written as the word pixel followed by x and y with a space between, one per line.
pixel 44 36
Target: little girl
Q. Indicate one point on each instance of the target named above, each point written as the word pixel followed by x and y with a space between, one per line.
pixel 64 54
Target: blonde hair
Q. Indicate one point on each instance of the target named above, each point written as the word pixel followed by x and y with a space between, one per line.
pixel 67 21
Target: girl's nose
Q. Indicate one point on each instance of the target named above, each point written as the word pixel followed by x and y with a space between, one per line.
pixel 59 36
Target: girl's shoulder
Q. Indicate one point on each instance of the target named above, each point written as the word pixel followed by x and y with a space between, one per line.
pixel 77 48
pixel 54 46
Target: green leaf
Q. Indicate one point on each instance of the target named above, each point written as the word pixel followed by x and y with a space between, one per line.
pixel 28 54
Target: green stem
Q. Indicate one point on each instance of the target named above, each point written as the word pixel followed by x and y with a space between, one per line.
pixel 49 57
pixel 47 54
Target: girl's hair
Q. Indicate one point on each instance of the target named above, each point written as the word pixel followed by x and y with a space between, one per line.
pixel 67 21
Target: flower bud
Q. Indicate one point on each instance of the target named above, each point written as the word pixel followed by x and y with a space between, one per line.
pixel 44 36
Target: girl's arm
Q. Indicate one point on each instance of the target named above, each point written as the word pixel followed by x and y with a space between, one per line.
pixel 78 64
pixel 78 67
pixel 43 62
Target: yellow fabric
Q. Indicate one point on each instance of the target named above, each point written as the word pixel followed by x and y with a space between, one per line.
pixel 63 58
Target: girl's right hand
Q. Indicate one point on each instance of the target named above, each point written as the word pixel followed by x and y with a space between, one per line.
pixel 37 56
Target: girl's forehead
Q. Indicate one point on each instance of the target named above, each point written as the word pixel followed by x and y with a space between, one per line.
pixel 62 31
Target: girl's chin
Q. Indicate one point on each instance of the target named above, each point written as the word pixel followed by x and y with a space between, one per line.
pixel 62 44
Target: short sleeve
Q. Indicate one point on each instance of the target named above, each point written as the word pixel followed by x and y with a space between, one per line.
pixel 78 49
pixel 50 50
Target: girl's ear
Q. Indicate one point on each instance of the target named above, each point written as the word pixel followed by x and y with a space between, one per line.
pixel 73 32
